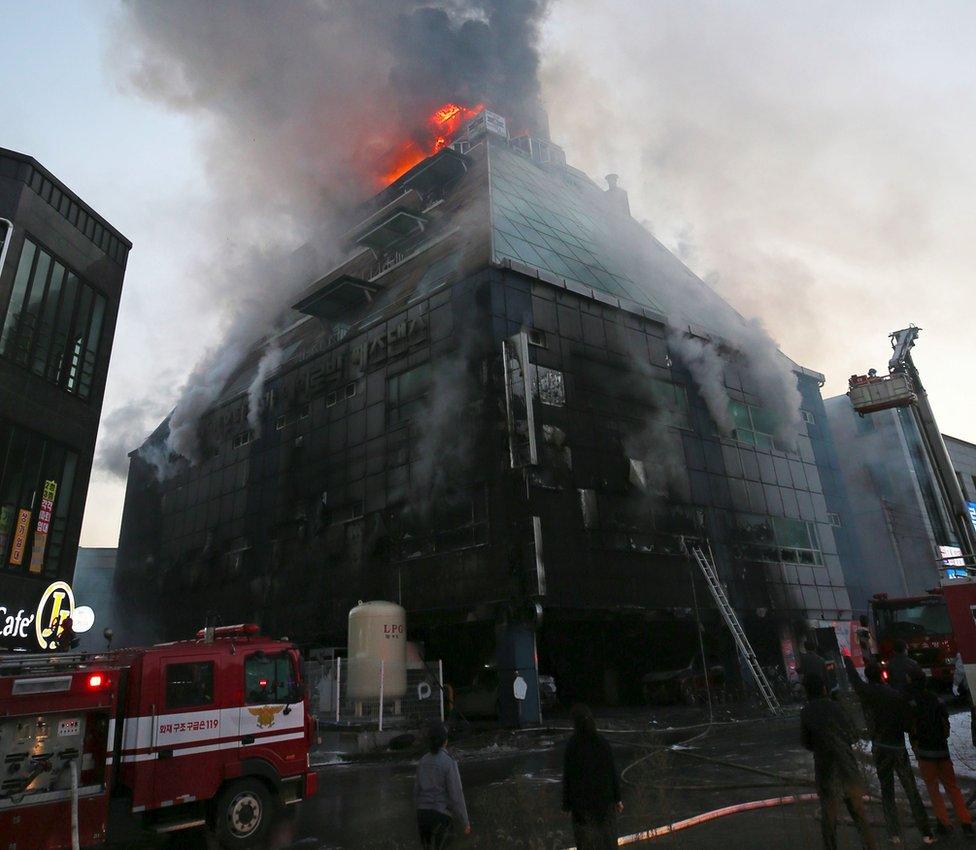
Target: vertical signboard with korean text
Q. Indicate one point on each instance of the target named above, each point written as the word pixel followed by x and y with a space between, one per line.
pixel 43 526
pixel 21 530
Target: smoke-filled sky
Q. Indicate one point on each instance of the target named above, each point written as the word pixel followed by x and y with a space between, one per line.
pixel 811 161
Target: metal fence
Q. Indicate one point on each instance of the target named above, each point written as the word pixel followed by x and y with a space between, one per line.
pixel 371 694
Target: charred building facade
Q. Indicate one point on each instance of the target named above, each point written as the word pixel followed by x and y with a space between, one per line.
pixel 61 272
pixel 497 412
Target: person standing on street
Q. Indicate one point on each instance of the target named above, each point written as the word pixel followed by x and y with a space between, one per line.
pixel 438 794
pixel 902 667
pixel 930 734
pixel 889 716
pixel 591 785
pixel 827 733
pixel 812 663
pixel 869 651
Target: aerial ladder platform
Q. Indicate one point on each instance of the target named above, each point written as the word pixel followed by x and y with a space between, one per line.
pixel 706 563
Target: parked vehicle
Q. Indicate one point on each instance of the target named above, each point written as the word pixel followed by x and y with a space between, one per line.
pixel 209 732
pixel 923 623
pixel 684 684
pixel 480 698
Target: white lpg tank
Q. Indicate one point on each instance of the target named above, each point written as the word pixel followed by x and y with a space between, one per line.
pixel 377 633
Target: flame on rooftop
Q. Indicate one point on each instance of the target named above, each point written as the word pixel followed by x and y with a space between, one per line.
pixel 434 134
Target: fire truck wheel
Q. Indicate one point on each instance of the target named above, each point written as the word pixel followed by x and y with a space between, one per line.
pixel 243 814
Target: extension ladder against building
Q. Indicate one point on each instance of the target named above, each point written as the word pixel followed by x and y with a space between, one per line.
pixel 707 566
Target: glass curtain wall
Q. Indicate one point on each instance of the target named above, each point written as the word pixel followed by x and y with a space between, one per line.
pixel 53 322
pixel 36 480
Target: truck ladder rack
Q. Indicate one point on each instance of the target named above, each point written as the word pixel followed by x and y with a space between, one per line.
pixel 19 663
pixel 707 565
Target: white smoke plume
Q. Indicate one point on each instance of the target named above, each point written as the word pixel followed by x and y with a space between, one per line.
pixel 707 368
pixel 306 107
pixel 688 301
pixel 443 433
pixel 269 363
pixel 120 431
pixel 802 175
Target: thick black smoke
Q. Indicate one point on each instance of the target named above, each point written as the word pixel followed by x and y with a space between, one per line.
pixel 491 57
pixel 302 105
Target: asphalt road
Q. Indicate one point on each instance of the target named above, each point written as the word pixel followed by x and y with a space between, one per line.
pixel 513 792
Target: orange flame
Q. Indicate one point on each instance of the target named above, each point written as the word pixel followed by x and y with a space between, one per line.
pixel 440 126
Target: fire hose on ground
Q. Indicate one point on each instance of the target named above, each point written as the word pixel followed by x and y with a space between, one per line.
pixel 736 808
pixel 704 817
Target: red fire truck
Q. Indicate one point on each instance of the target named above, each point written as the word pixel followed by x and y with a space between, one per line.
pixel 209 732
pixel 923 623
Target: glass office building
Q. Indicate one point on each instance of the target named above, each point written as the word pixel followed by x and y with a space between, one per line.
pixel 61 272
pixel 482 414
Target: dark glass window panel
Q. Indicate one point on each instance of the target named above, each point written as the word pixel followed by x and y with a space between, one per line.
pixel 55 366
pixel 745 436
pixel 189 685
pixel 22 490
pixel 45 328
pixel 763 420
pixel 792 532
pixel 740 416
pixel 30 314
pixel 814 537
pixel 15 305
pixel 91 346
pixel 406 394
pixel 9 459
pixel 37 180
pixel 76 342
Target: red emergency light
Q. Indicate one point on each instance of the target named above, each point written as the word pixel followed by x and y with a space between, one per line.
pixel 97 681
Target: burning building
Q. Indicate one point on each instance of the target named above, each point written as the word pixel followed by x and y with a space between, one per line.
pixel 504 408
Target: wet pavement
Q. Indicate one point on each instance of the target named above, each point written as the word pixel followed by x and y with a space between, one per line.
pixel 513 792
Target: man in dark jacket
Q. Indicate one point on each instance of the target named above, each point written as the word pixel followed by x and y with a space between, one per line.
pixel 930 734
pixel 901 667
pixel 889 716
pixel 827 733
pixel 811 663
pixel 591 785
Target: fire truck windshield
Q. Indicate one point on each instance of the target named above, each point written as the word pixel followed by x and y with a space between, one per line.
pixel 912 620
pixel 269 678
